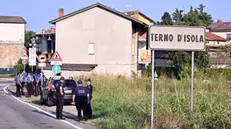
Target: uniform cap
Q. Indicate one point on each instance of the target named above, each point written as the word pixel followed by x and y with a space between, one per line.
pixel 80 82
pixel 62 78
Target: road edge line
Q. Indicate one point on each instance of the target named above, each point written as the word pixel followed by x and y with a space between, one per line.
pixel 64 121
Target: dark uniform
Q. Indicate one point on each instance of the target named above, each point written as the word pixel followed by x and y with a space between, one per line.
pixel 18 85
pixel 30 81
pixel 59 100
pixel 81 100
pixel 89 109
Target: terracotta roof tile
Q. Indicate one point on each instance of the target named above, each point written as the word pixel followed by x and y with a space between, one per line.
pixel 213 37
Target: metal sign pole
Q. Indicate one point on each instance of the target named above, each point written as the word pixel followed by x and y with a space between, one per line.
pixel 153 86
pixel 42 77
pixel 192 85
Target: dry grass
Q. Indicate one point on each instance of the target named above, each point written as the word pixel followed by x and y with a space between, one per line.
pixel 125 103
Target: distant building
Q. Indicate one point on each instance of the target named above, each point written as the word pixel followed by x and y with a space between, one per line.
pixel 144 54
pixel 98 40
pixel 12 39
pixel 218 35
pixel 45 41
pixel 220 28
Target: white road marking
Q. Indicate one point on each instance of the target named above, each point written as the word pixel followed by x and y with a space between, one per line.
pixel 77 127
pixel 5 90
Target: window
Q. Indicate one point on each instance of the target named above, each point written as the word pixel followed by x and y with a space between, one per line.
pixel 91 48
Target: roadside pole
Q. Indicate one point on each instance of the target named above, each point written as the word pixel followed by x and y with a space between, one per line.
pixel 192 85
pixel 153 86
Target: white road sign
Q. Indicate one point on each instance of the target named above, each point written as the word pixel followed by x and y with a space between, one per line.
pixel 42 58
pixel 56 59
pixel 32 56
pixel 41 65
pixel 177 38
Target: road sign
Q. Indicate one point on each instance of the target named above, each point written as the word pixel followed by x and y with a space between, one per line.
pixel 177 38
pixel 24 55
pixel 32 56
pixel 56 59
pixel 56 69
pixel 24 62
pixel 41 65
pixel 42 58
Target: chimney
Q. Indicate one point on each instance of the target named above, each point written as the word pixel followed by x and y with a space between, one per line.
pixel 219 21
pixel 61 12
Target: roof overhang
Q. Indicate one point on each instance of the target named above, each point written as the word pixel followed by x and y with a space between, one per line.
pixel 100 6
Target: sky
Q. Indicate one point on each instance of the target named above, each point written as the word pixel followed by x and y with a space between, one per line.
pixel 37 13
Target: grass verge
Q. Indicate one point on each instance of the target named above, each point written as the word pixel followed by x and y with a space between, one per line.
pixel 125 104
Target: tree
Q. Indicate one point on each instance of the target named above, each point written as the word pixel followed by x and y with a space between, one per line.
pixel 203 16
pixel 192 19
pixel 195 17
pixel 178 16
pixel 166 19
pixel 29 35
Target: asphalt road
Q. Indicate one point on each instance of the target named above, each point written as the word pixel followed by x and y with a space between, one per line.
pixel 16 115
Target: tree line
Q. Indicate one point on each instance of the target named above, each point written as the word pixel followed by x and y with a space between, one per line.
pixel 194 17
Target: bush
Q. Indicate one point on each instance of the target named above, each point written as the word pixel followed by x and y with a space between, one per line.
pixel 124 103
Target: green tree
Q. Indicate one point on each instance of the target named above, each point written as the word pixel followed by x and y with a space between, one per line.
pixel 204 16
pixel 29 35
pixel 166 19
pixel 177 16
pixel 195 17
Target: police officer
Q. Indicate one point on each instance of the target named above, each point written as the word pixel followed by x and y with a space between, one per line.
pixel 23 81
pixel 30 81
pixel 81 99
pixel 18 85
pixel 90 88
pixel 60 98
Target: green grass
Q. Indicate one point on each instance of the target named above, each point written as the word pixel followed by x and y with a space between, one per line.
pixel 6 75
pixel 126 103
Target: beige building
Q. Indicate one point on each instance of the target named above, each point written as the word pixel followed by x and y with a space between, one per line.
pixel 98 39
pixel 12 38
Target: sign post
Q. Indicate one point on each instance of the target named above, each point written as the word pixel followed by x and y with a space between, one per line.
pixel 181 38
pixel 56 61
pixel 192 85
pixel 24 58
pixel 32 57
pixel 42 58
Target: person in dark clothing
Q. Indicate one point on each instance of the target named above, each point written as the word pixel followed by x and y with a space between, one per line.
pixel 60 98
pixel 81 99
pixel 90 88
pixel 18 85
pixel 30 81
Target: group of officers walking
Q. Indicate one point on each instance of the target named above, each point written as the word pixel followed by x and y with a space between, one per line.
pixel 29 81
pixel 81 98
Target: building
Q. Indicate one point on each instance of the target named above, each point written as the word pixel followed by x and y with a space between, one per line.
pixel 222 29
pixel 12 39
pixel 98 39
pixel 216 47
pixel 221 37
pixel 45 41
pixel 144 54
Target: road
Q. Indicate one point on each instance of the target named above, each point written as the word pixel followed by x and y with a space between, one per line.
pixel 16 115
